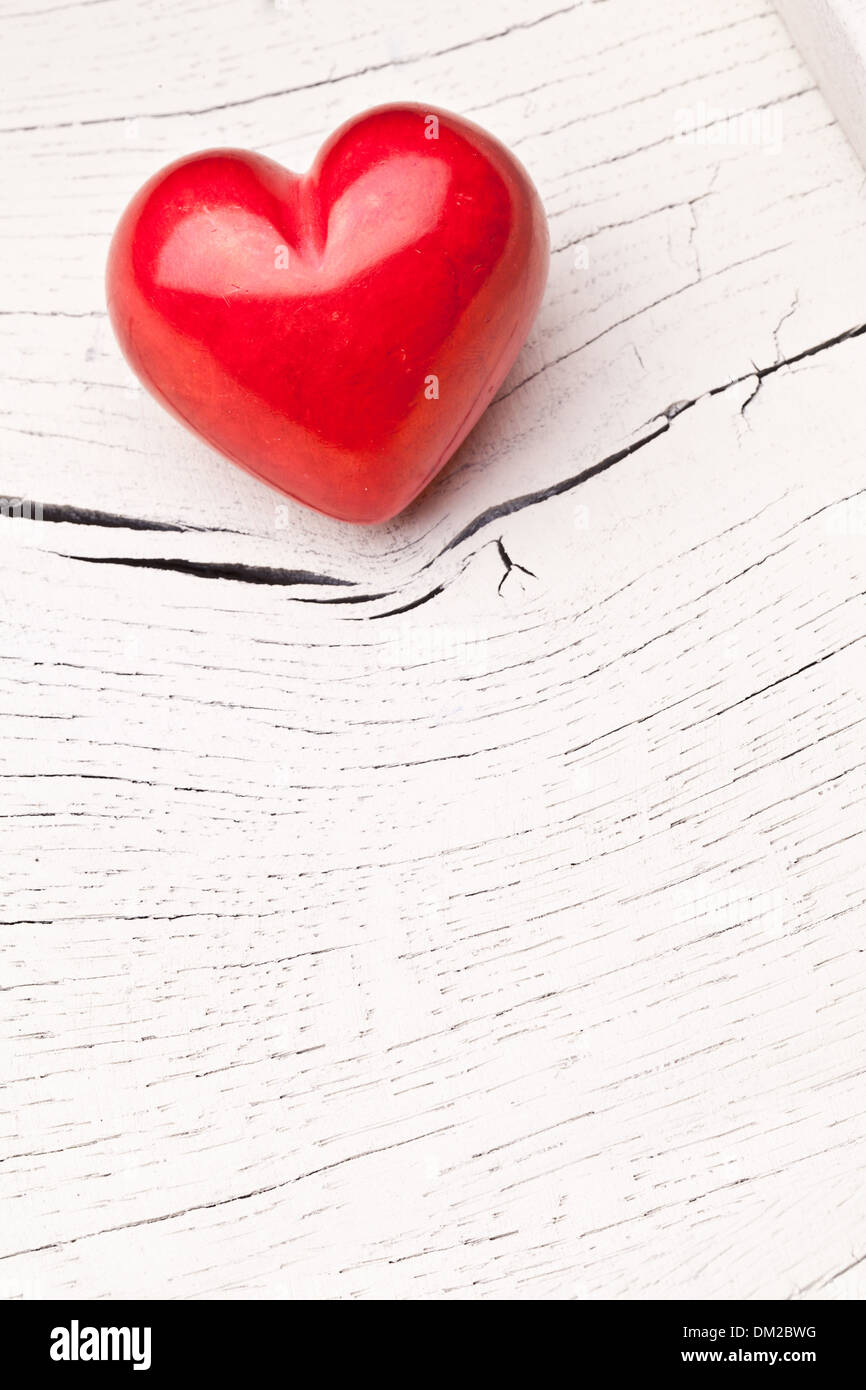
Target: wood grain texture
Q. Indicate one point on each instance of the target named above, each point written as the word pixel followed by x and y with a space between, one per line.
pixel 470 907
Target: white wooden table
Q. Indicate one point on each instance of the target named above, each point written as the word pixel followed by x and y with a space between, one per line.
pixel 471 907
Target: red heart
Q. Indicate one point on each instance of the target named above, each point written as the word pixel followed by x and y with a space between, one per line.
pixel 336 333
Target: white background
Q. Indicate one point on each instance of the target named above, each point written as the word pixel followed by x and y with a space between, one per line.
pixel 510 946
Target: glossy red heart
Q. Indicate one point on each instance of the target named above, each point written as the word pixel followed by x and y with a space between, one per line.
pixel 336 333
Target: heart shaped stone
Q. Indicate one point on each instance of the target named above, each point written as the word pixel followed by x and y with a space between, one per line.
pixel 336 333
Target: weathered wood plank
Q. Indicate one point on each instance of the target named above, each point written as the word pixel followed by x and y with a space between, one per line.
pixel 510 945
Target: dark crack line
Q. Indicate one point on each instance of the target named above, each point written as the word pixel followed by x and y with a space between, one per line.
pixel 531 499
pixel 415 603
pixel 304 87
pixel 202 569
pixel 27 509
pixel 86 516
pixel 262 574
pixel 509 565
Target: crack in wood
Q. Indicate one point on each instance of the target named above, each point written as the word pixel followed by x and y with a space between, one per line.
pixel 203 569
pixel 271 575
pixel 329 81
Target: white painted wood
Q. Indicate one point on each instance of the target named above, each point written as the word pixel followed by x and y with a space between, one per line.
pixel 831 35
pixel 510 946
